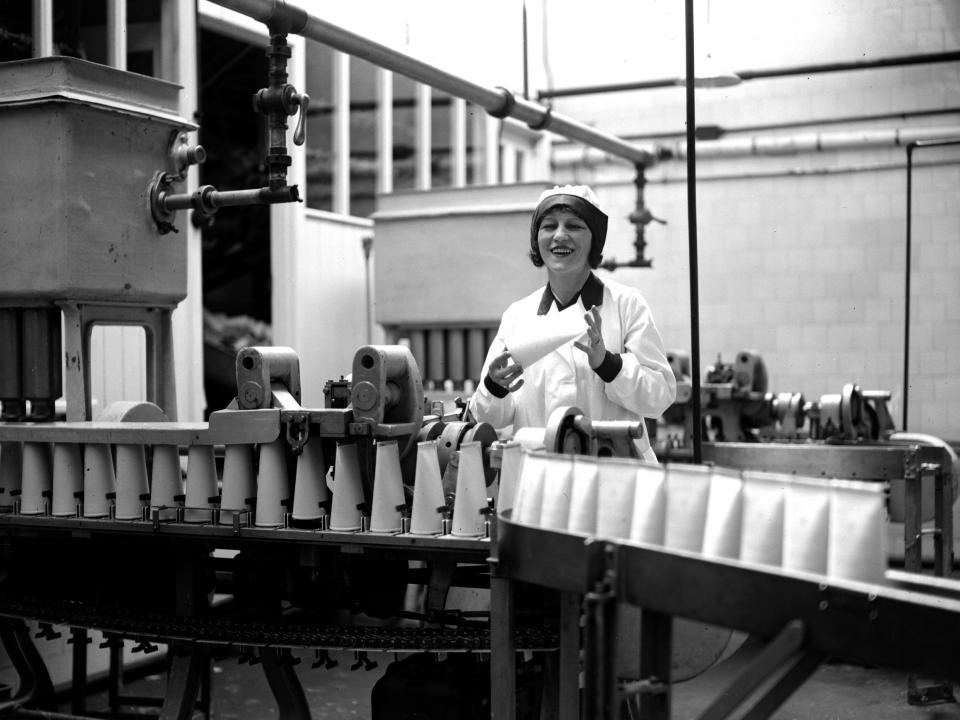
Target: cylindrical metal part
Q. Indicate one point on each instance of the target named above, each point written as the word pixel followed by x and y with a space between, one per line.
pixel 476 352
pixel 456 361
pixel 41 350
pixel 418 348
pixel 436 360
pixel 10 355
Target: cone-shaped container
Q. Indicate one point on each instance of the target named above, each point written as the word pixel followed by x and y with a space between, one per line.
pixel 201 483
pixel 511 460
pixel 311 496
pixel 273 485
pixel 616 482
pixel 11 469
pixel 806 524
pixel 238 486
pixel 387 489
pixel 471 497
pixel 528 504
pixel 761 536
pixel 166 480
pixel 67 479
pixel 557 487
pixel 37 478
pixel 721 533
pixel 857 545
pixel 427 491
pixel 688 490
pixel 99 480
pixel 543 334
pixel 583 496
pixel 347 490
pixel 131 482
pixel 649 505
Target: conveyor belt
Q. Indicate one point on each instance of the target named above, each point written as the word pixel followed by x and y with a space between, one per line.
pixel 286 633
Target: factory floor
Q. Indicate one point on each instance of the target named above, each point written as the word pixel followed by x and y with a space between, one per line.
pixel 834 692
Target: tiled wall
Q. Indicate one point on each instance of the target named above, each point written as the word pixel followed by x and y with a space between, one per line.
pixel 802 253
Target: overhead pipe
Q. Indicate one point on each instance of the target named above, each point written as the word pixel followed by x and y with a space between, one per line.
pixel 814 69
pixel 794 143
pixel 499 102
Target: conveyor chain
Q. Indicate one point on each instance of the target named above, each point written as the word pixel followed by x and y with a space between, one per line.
pixel 281 633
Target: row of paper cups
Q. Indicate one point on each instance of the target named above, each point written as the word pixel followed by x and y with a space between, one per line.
pixel 99 480
pixel 817 525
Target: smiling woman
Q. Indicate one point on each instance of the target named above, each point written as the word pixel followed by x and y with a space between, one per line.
pixel 615 369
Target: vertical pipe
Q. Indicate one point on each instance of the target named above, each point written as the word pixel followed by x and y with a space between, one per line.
pixel 341 133
pixel 117 34
pixel 458 142
pixel 42 28
pixel 692 225
pixel 906 299
pixel 491 150
pixel 384 131
pixel 424 136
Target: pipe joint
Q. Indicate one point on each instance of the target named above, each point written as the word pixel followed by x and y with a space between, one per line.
pixel 508 101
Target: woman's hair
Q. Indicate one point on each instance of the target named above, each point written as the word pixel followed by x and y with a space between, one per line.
pixel 582 202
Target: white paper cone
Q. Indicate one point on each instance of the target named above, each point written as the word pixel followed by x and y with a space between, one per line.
pixel 761 537
pixel 688 491
pixel 239 483
pixel 471 496
pixel 528 504
pixel 721 533
pixel 531 438
pixel 542 334
pixel 427 491
pixel 273 485
pixel 201 483
pixel 166 480
pixel 557 488
pixel 387 489
pixel 583 496
pixel 806 525
pixel 99 480
pixel 131 482
pixel 347 490
pixel 649 505
pixel 11 469
pixel 511 462
pixel 310 484
pixel 67 479
pixel 616 482
pixel 37 478
pixel 857 545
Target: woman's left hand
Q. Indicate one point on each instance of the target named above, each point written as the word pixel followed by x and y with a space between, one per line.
pixel 595 349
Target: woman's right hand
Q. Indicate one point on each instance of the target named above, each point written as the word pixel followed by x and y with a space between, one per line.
pixel 505 372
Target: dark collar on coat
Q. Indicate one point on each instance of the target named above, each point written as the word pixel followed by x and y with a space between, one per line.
pixel 591 293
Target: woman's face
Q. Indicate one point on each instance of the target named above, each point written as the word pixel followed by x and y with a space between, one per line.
pixel 564 241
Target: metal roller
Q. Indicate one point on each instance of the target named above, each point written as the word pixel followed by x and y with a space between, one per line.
pixel 259 368
pixel 387 389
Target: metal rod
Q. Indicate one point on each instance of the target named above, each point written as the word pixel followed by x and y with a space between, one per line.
pixel 692 228
pixel 947 56
pixel 498 102
pixel 906 287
